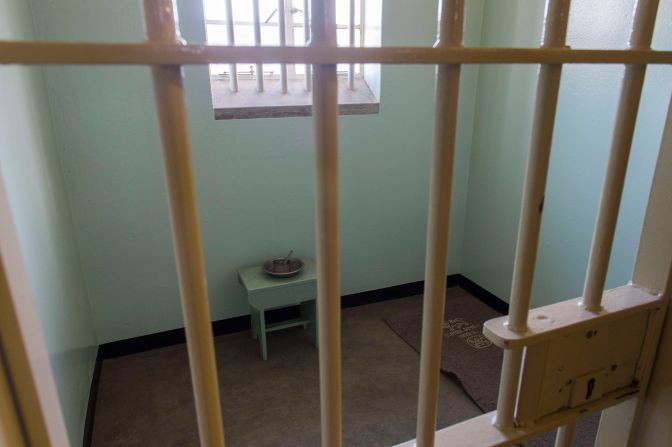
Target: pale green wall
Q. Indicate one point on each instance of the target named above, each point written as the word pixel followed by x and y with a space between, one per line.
pixel 107 140
pixel 31 174
pixel 585 119
pixel 255 177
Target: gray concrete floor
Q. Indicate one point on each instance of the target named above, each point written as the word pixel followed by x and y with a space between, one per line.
pixel 145 399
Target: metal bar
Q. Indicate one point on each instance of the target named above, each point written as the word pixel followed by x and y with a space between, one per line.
pixel 362 33
pixel 555 32
pixel 170 103
pixel 150 53
pixel 257 42
pixel 325 112
pixel 638 422
pixel 508 388
pixel 289 34
pixel 264 24
pixel 351 36
pixel 283 42
pixel 554 35
pixel 451 25
pixel 624 129
pixel 11 430
pixel 567 317
pixel 308 76
pixel 565 436
pixel 653 270
pixel 22 343
pixel 479 431
pixel 230 36
pixel 654 255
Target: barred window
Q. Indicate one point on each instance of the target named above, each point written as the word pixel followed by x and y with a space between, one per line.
pixel 282 90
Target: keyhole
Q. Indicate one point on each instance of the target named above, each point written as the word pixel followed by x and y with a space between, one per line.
pixel 590 387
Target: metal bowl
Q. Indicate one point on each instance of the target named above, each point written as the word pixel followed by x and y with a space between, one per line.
pixel 283 267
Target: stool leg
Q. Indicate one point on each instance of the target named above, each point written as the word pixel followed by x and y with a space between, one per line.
pixel 262 334
pixel 254 319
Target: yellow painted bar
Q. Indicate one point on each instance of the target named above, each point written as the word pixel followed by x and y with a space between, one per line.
pixel 624 130
pixel 554 35
pixel 154 53
pixel 325 117
pixel 451 26
pixel 170 104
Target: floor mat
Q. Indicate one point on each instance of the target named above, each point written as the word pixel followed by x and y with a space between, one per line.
pixel 472 359
pixel 467 355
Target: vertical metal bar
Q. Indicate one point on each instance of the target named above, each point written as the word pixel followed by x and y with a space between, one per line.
pixel 230 36
pixel 624 128
pixel 351 32
pixel 170 103
pixel 289 34
pixel 654 255
pixel 565 436
pixel 257 42
pixel 653 270
pixel 325 112
pixel 308 76
pixel 283 42
pixel 548 86
pixel 508 388
pixel 641 421
pixel 22 343
pixel 555 32
pixel 450 34
pixel 11 431
pixel 362 36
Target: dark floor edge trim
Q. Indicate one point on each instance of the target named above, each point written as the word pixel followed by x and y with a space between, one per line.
pixel 237 324
pixel 87 439
pixel 483 295
pixel 384 294
pixel 242 323
pixel 176 336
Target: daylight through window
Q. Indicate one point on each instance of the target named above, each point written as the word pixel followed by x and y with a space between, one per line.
pixel 269 90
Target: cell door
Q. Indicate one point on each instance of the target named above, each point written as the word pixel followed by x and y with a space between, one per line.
pixel 561 362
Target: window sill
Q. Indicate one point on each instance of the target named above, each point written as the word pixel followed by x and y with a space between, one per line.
pixel 247 103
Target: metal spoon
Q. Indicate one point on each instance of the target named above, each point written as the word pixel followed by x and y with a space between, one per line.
pixel 286 260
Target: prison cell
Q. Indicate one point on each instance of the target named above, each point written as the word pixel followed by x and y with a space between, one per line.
pixel 521 334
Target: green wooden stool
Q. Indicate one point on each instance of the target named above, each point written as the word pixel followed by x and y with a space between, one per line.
pixel 265 293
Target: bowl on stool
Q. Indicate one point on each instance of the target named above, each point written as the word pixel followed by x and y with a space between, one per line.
pixel 283 267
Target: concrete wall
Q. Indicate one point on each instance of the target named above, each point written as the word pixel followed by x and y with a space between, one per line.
pixel 586 111
pixel 30 170
pixel 255 177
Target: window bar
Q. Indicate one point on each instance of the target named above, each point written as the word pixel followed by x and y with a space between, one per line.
pixel 257 42
pixel 231 40
pixel 351 32
pixel 308 77
pixel 447 88
pixel 624 128
pixel 555 32
pixel 325 113
pixel 170 103
pixel 283 42
pixel 362 35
